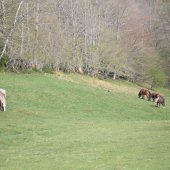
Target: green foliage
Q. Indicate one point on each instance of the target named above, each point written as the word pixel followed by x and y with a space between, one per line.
pixel 156 76
pixel 166 54
pixel 3 62
pixel 36 70
pixel 47 69
pixel 166 58
pixel 56 124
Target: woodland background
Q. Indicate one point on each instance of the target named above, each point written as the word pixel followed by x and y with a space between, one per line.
pixel 127 39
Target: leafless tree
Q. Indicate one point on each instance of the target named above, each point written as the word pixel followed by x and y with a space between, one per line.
pixel 88 36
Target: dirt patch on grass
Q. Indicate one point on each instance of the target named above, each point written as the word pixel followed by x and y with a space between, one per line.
pixel 112 86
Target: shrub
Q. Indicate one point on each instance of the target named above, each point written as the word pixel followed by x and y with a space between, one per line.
pixel 3 62
pixel 156 76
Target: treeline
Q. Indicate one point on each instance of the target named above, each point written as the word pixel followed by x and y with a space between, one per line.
pixel 118 38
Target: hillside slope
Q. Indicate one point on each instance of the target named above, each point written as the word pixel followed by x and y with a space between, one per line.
pixel 77 122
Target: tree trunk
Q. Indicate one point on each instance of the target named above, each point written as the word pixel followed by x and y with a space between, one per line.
pixel 114 76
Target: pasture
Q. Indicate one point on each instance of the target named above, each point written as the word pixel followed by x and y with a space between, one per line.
pixel 73 122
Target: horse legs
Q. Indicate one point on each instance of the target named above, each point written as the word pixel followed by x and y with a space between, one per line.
pixel 157 101
pixel 158 104
pixel 2 106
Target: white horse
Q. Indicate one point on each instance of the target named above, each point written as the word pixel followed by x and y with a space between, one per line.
pixel 2 100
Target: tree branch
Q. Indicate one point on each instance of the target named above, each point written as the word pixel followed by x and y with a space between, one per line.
pixel 7 40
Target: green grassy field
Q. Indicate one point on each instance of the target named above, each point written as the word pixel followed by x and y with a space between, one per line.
pixel 73 122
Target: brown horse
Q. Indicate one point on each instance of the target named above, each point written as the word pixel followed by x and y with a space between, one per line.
pixel 154 96
pixel 144 92
pixel 160 100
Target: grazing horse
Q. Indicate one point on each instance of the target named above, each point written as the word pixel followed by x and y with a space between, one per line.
pixel 160 100
pixel 154 96
pixel 2 100
pixel 144 92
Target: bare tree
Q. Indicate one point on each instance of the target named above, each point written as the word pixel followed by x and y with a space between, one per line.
pixel 10 34
pixel 88 36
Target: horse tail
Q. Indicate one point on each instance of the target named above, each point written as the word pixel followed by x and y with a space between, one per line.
pixel 2 101
pixel 4 104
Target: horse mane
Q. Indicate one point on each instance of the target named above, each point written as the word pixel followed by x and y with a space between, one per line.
pixel 155 95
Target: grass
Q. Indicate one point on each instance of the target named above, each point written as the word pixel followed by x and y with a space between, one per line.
pixel 73 122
